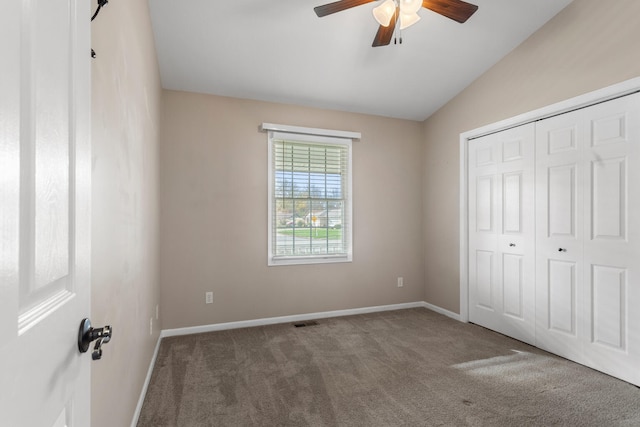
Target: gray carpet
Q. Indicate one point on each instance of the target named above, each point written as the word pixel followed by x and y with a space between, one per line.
pixel 401 368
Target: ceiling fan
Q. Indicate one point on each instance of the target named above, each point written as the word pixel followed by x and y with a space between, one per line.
pixel 391 11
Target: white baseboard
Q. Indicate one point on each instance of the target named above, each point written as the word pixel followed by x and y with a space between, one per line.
pixel 442 311
pixel 145 386
pixel 286 319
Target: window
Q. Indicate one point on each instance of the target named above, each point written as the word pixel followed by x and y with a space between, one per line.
pixel 309 195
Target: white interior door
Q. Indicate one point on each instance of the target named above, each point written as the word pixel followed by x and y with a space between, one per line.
pixel 501 232
pixel 45 177
pixel 588 243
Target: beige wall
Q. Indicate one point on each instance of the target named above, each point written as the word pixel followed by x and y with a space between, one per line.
pixel 589 45
pixel 126 108
pixel 214 214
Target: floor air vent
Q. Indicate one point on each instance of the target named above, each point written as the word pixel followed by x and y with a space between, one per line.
pixel 303 324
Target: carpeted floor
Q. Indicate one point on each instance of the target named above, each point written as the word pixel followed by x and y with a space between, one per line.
pixel 401 368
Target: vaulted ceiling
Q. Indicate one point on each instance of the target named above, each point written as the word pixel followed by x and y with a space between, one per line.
pixel 280 51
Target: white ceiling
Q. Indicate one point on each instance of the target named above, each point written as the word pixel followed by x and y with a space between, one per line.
pixel 280 51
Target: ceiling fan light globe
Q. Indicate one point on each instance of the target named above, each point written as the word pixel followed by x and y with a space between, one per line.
pixel 384 12
pixel 407 20
pixel 409 7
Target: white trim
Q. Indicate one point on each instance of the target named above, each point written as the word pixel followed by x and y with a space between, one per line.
pixel 464 232
pixel 601 95
pixel 310 131
pixel 610 92
pixel 302 137
pixel 311 259
pixel 440 310
pixel 288 319
pixel 145 386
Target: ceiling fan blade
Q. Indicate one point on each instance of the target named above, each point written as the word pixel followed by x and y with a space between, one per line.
pixel 457 10
pixel 338 6
pixel 384 34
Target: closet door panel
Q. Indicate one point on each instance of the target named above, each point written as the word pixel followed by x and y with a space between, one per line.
pixel 485 189
pixel 562 302
pixel 562 194
pixel 588 236
pixel 609 199
pixel 609 319
pixel 512 203
pixel 560 138
pixel 483 264
pixel 612 240
pixel 501 232
pixel 559 224
pixel 513 278
pixel 485 280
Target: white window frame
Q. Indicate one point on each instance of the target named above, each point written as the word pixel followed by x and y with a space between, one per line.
pixel 313 135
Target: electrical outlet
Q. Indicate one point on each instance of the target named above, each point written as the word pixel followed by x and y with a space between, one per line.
pixel 400 282
pixel 151 326
pixel 208 297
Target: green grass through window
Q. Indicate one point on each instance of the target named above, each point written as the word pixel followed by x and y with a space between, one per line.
pixel 314 233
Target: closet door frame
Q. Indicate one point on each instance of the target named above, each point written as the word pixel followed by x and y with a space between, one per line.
pixel 610 92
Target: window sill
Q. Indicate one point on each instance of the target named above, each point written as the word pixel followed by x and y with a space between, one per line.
pixel 309 260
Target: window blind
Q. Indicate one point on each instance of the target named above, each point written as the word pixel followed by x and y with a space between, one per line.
pixel 310 203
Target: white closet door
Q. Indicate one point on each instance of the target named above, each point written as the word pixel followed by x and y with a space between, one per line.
pixel 588 236
pixel 501 232
pixel 612 238
pixel 560 179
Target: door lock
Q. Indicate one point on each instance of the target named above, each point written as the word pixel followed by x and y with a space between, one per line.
pixel 87 334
